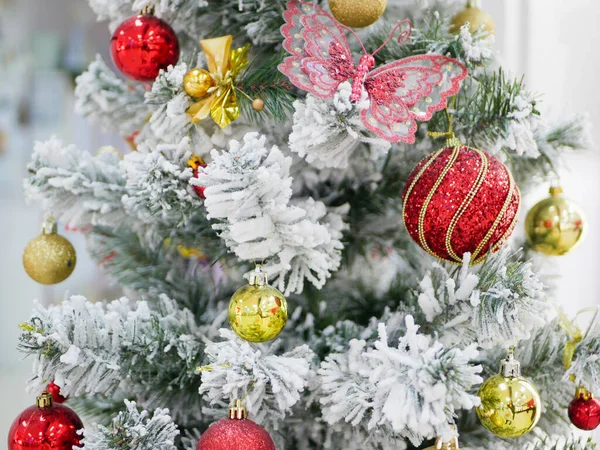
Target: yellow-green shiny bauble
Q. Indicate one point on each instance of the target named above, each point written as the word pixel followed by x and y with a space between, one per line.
pixel 197 82
pixel 555 225
pixel 510 406
pixel 49 259
pixel 257 313
pixel 476 18
pixel 357 13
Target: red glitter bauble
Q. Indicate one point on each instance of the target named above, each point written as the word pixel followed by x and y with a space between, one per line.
pixel 460 200
pixel 235 434
pixel 54 389
pixel 45 426
pixel 584 411
pixel 142 45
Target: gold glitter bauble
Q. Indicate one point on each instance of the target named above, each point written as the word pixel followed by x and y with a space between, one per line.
pixel 510 404
pixel 257 311
pixel 258 104
pixel 49 258
pixel 476 18
pixel 197 82
pixel 357 13
pixel 555 225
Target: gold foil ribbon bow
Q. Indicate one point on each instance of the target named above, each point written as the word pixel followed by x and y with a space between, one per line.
pixel 224 66
pixel 574 333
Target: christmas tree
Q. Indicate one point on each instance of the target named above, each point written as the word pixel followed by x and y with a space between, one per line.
pixel 313 220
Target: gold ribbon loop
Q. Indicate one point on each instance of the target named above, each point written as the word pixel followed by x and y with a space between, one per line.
pixel 574 332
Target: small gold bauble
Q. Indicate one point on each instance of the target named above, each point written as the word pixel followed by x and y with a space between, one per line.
pixel 197 82
pixel 258 104
pixel 257 312
pixel 49 258
pixel 476 18
pixel 510 404
pixel 357 13
pixel 555 225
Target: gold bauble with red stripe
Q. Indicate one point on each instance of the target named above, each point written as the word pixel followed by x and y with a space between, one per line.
pixel 460 200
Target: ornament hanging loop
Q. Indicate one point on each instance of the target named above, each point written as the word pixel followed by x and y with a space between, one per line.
pixel 451 139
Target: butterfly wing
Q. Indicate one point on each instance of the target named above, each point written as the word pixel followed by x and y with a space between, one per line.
pixel 407 90
pixel 320 56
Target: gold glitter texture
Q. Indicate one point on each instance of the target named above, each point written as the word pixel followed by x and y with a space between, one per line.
pixel 357 13
pixel 476 18
pixel 49 258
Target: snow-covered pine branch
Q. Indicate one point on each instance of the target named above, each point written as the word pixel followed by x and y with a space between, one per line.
pixel 502 300
pixel 169 122
pixel 413 389
pixel 96 348
pixel 158 184
pixel 134 430
pixel 248 191
pixel 74 185
pixel 270 384
pixel 328 131
pixel 110 101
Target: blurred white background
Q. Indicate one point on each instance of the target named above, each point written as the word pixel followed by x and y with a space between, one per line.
pixel 554 42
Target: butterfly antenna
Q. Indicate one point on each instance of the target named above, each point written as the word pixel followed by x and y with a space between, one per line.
pixel 356 36
pixel 404 34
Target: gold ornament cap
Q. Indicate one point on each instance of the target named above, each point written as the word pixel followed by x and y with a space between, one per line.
pixel 583 393
pixel 556 191
pixel 238 411
pixel 44 400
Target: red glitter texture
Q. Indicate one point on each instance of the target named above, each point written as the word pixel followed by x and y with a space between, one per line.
pixel 142 45
pixel 49 428
pixel 480 212
pixel 585 413
pixel 235 434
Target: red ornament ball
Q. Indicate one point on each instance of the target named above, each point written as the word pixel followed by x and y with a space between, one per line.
pixel 235 433
pixel 54 390
pixel 584 411
pixel 45 426
pixel 196 163
pixel 459 200
pixel 142 45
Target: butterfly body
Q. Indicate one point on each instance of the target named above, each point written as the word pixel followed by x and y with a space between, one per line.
pixel 399 93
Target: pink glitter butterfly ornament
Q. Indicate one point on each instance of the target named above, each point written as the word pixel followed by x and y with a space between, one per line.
pixel 399 93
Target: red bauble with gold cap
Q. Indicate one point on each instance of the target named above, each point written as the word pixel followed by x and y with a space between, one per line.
pixel 458 200
pixel 46 426
pixel 142 46
pixel 235 432
pixel 584 410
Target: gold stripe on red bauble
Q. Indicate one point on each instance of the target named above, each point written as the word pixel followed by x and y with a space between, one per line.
pixel 458 200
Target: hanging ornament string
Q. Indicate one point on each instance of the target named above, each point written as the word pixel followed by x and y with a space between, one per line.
pixel 451 139
pixel 574 332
